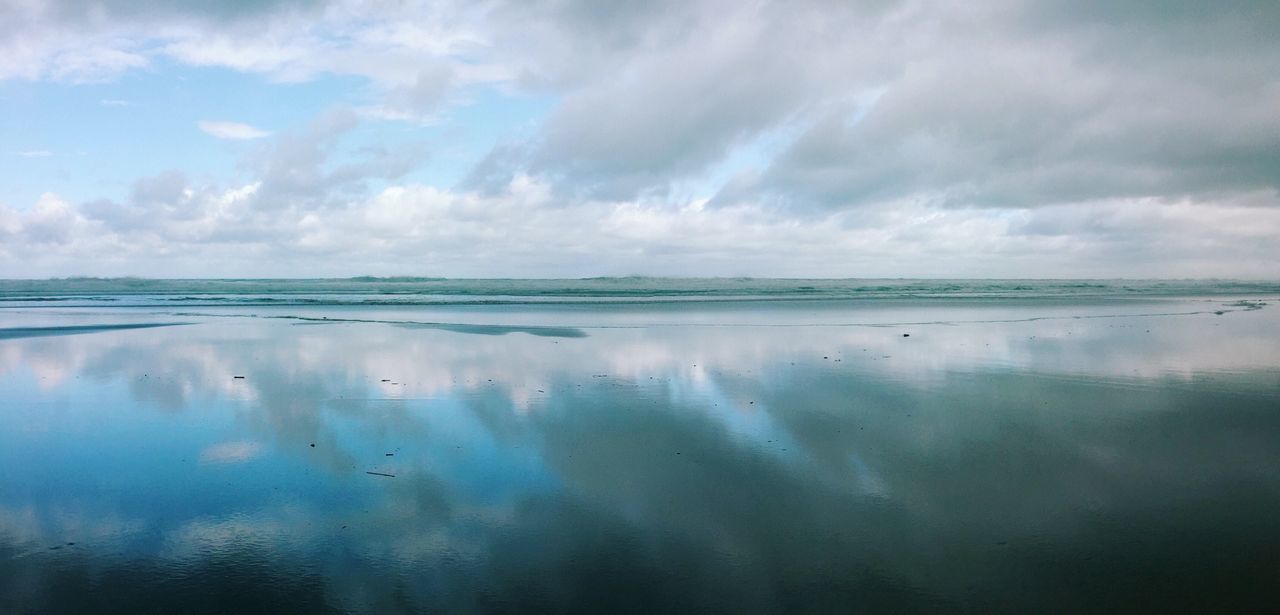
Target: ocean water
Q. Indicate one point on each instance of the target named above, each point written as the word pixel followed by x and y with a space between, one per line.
pixel 418 291
pixel 638 445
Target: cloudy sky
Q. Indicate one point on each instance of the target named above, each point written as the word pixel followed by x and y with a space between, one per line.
pixel 1005 138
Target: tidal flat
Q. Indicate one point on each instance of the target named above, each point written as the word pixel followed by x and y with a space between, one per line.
pixel 1021 454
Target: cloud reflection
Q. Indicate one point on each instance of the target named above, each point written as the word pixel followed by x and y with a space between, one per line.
pixel 231 452
pixel 728 468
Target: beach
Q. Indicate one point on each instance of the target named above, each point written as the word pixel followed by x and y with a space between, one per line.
pixel 647 445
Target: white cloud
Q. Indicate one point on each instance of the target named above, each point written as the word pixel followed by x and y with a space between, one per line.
pixel 231 130
pixel 35 153
pixel 174 228
pixel 917 138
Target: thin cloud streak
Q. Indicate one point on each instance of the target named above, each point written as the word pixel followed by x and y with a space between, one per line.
pixel 231 130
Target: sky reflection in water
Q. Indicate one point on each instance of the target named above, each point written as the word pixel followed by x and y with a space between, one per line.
pixel 1077 463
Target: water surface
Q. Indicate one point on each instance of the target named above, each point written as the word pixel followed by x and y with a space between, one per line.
pixel 1059 451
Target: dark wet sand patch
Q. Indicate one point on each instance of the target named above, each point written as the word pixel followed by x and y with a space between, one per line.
pixel 21 332
pixel 540 331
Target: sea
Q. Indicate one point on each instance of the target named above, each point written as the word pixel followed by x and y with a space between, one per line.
pixel 744 445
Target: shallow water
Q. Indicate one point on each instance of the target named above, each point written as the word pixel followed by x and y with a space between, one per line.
pixel 1073 454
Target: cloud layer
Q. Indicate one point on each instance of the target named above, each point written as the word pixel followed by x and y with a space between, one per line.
pixel 872 138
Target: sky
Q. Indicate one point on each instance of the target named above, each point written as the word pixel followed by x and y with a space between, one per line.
pixel 569 138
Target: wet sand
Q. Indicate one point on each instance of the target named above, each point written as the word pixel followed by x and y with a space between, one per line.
pixel 18 332
pixel 754 457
